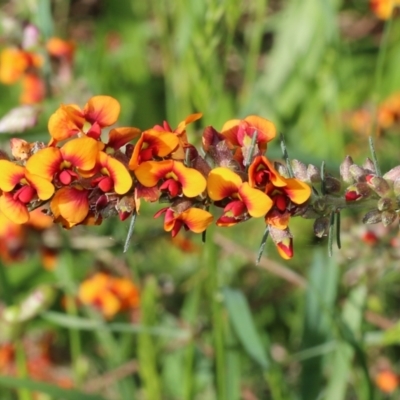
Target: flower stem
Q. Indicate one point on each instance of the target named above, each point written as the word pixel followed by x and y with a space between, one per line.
pixel 22 370
pixel 217 317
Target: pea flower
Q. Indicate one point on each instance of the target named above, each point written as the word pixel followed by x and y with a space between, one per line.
pixel 194 219
pixel 240 132
pixel 239 199
pixel 70 120
pixel 63 165
pixel 20 187
pixel 153 144
pixel 175 177
pixel 109 294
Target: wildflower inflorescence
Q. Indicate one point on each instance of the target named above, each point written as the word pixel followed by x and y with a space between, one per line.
pixel 77 178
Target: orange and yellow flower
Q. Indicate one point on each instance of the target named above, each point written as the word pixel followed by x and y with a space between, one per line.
pixel 14 63
pixel 240 132
pixel 17 64
pixel 109 294
pixel 383 9
pixel 180 132
pixel 70 120
pixel 193 219
pixel 119 137
pixel 294 192
pixel 59 48
pixel 20 187
pixel 114 175
pixel 239 199
pixel 176 178
pixel 70 205
pixel 63 165
pixel 153 144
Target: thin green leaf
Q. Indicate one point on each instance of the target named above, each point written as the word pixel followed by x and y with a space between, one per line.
pixel 243 325
pixel 54 391
pixel 69 321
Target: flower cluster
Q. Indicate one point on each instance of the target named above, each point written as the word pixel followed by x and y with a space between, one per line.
pixel 109 294
pixel 78 178
pixel 24 63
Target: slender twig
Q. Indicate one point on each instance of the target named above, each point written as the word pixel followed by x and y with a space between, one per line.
pixel 330 234
pixel 374 158
pixel 323 182
pixel 262 244
pixel 286 156
pixel 338 241
pixel 250 153
pixel 130 232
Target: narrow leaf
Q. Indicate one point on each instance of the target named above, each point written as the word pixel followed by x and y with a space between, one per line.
pixel 243 325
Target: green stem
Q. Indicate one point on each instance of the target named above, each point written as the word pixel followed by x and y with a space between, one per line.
pixel 74 341
pixel 382 56
pixel 5 287
pixel 217 317
pixel 22 369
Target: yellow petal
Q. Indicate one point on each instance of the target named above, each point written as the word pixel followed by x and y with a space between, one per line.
pixel 192 181
pixel 196 219
pixel 299 192
pixel 81 153
pixel 44 188
pixel 70 203
pixel 257 202
pixel 102 109
pixel 10 176
pixel 222 183
pixel 13 209
pixel 45 163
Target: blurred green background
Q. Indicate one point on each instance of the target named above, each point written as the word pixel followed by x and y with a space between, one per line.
pixel 212 324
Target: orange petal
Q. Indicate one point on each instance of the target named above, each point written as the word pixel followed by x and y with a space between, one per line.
pixel 102 109
pixel 66 122
pixel 33 89
pixel 188 120
pixel 81 152
pixel 257 202
pixel 222 183
pixel 60 48
pixel 44 188
pixel 40 221
pixel 229 131
pixel 45 163
pixel 266 130
pixel 118 137
pixel 161 143
pixel 118 172
pixel 193 182
pixel 277 219
pixel 10 175
pixel 196 219
pixel 150 172
pixel 259 164
pixel 285 248
pixel 13 64
pixel 71 203
pixel 13 209
pixel 299 192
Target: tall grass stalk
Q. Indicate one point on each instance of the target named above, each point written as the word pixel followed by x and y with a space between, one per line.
pixel 217 315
